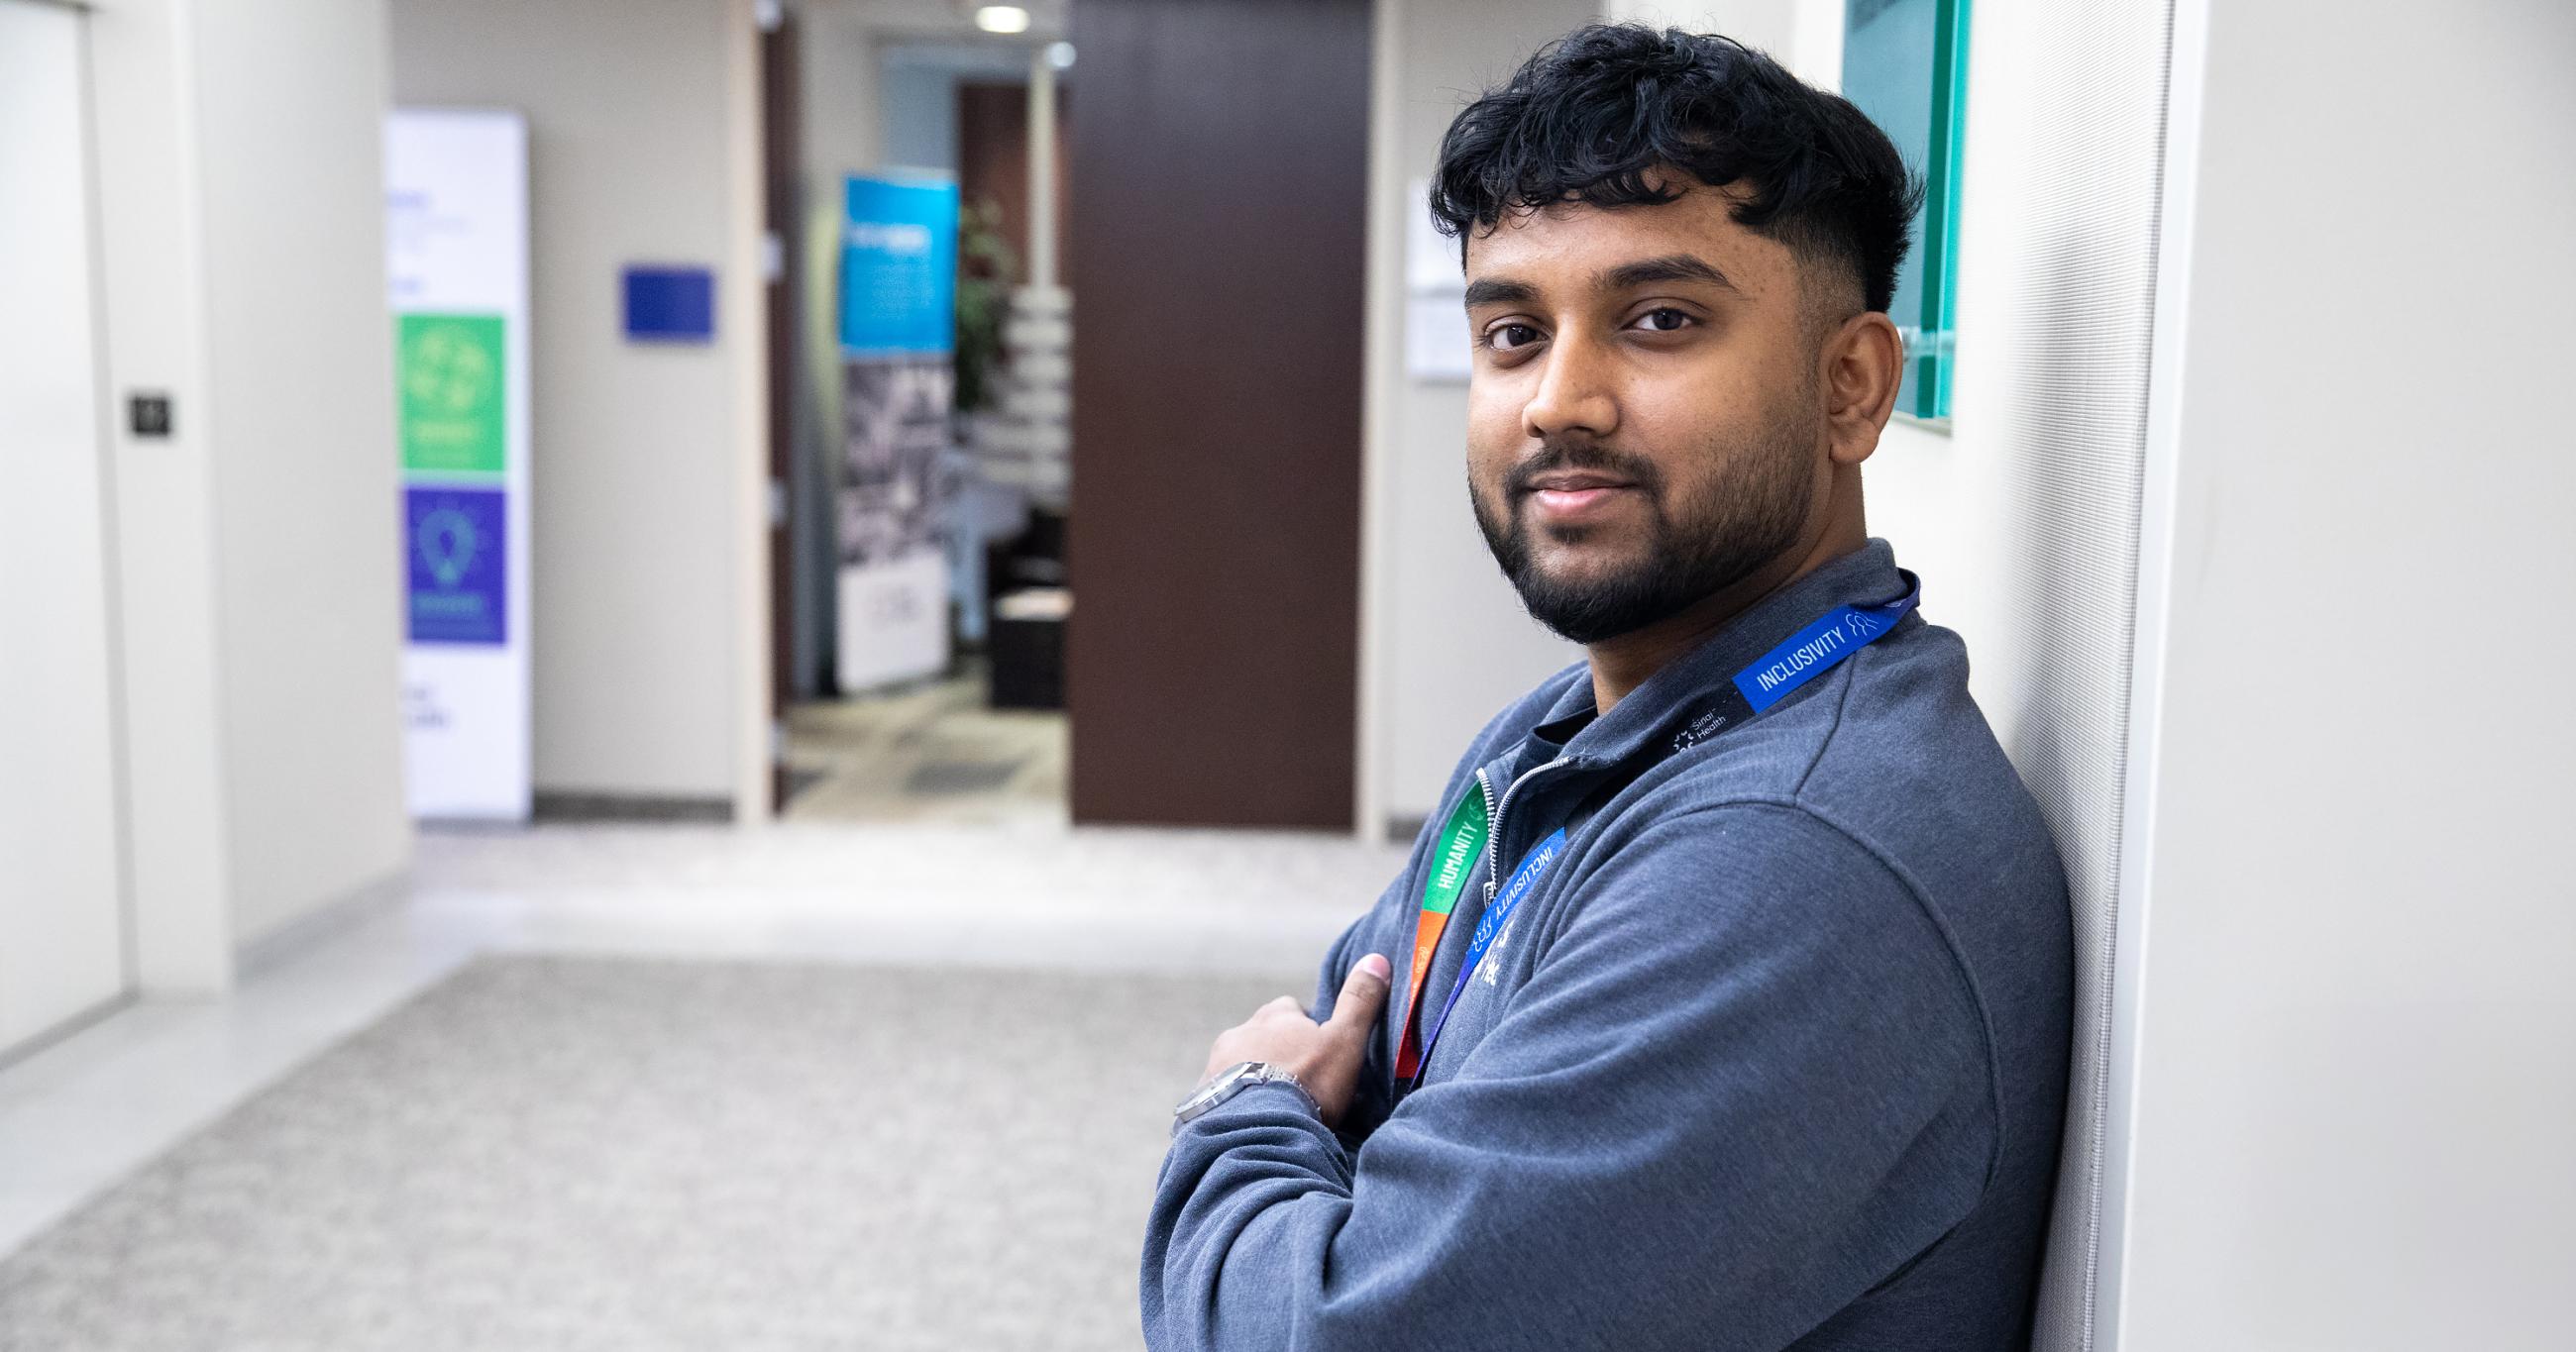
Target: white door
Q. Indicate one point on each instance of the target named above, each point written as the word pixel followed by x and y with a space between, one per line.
pixel 61 916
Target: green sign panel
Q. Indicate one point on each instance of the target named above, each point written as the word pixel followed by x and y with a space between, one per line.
pixel 448 371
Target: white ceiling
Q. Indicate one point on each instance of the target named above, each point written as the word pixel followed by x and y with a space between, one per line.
pixel 948 20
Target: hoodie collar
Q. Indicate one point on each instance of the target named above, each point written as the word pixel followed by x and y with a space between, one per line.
pixel 1689 684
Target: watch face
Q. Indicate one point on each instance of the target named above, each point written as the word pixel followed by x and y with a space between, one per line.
pixel 1226 1078
pixel 1217 1088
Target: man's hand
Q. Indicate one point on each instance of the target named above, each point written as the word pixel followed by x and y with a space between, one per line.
pixel 1325 1057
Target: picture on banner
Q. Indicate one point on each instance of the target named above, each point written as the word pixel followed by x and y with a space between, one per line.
pixel 894 489
pixel 448 389
pixel 457 565
pixel 898 341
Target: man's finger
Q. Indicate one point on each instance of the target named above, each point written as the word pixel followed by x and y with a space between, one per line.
pixel 1355 1010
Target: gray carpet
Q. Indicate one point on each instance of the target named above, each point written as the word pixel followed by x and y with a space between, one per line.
pixel 558 1153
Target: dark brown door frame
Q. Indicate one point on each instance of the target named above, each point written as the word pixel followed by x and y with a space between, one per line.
pixel 782 168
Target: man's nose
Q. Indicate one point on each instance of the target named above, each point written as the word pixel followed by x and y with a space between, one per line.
pixel 1574 393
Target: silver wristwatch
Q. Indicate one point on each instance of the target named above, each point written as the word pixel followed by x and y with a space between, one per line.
pixel 1232 1081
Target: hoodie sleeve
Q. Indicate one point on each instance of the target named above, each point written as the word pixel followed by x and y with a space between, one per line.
pixel 1746 1083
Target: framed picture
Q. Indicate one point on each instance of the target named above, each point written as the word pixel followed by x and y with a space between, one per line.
pixel 1905 63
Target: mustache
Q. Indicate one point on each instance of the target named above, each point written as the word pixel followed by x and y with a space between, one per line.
pixel 1555 455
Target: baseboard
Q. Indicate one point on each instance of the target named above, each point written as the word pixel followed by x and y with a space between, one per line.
pixel 557 806
pixel 256 955
pixel 27 1047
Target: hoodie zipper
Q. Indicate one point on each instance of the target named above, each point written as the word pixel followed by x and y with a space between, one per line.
pixel 1494 814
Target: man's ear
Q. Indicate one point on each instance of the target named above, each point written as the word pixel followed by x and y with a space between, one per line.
pixel 1864 362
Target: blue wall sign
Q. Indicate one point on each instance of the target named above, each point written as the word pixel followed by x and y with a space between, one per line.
pixel 670 305
pixel 898 268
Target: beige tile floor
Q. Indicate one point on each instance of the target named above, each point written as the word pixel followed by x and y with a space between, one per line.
pixel 89 1110
pixel 929 753
pixel 550 1153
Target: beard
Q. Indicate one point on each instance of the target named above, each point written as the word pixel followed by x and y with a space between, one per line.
pixel 1700 543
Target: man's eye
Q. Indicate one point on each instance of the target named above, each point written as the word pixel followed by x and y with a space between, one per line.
pixel 1663 321
pixel 1506 337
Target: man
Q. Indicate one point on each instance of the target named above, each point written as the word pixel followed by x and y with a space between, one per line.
pixel 1729 988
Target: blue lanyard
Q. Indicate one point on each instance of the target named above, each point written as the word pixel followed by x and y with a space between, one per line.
pixel 1800 658
pixel 1812 651
pixel 1524 881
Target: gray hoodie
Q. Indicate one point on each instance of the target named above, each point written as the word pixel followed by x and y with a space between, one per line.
pixel 1772 1056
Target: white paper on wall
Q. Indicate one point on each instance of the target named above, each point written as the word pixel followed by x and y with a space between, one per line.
pixel 1435 295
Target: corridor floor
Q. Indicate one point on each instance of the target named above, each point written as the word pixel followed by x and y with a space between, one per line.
pixel 933 752
pixel 623 1087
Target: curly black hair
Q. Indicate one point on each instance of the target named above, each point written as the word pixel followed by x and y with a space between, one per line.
pixel 1590 115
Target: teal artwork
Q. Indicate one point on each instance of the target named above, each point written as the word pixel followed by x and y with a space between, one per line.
pixel 1905 64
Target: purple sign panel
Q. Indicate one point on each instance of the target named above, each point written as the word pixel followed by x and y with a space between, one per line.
pixel 459 579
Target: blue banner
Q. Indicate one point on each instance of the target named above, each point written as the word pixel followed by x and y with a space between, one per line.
pixel 898 268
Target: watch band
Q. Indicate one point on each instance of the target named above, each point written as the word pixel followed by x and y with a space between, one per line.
pixel 1234 1080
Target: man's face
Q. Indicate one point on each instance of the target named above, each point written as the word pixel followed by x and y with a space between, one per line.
pixel 1644 421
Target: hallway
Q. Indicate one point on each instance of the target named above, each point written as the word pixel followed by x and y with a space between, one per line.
pixel 624 1087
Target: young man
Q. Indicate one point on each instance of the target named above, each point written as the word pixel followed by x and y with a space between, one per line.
pixel 1729 995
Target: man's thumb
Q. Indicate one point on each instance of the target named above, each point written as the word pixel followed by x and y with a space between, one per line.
pixel 1363 996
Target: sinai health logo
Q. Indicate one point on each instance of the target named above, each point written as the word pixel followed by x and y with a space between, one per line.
pixel 892 237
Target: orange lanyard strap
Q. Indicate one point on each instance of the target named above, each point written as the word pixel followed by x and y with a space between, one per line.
pixel 1461 841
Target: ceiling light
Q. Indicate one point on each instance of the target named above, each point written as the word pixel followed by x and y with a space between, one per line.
pixel 1060 55
pixel 1002 19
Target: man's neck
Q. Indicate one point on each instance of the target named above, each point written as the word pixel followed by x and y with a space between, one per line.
pixel 1621 664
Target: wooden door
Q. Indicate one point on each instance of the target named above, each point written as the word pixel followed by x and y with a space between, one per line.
pixel 1219 201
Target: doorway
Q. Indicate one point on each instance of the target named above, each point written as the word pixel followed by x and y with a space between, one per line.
pixel 61 902
pixel 928 596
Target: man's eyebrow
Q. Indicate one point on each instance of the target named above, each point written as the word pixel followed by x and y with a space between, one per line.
pixel 1499 291
pixel 1669 268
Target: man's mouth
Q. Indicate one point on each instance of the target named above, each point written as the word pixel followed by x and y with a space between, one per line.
pixel 1570 495
pixel 1576 481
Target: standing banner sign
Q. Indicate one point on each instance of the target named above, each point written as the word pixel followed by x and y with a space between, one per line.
pixel 898 343
pixel 456 242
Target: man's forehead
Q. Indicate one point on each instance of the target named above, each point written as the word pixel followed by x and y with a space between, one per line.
pixel 1565 243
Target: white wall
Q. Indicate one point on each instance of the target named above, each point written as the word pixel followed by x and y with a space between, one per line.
pixel 647 458
pixel 1766 25
pixel 241 231
pixel 291 97
pixel 2355 1049
pixel 152 285
pixel 1444 641
pixel 2022 513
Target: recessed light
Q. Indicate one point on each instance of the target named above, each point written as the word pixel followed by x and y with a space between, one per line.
pixel 1002 19
pixel 1060 55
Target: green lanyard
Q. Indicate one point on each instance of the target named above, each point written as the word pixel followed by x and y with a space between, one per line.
pixel 1461 841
